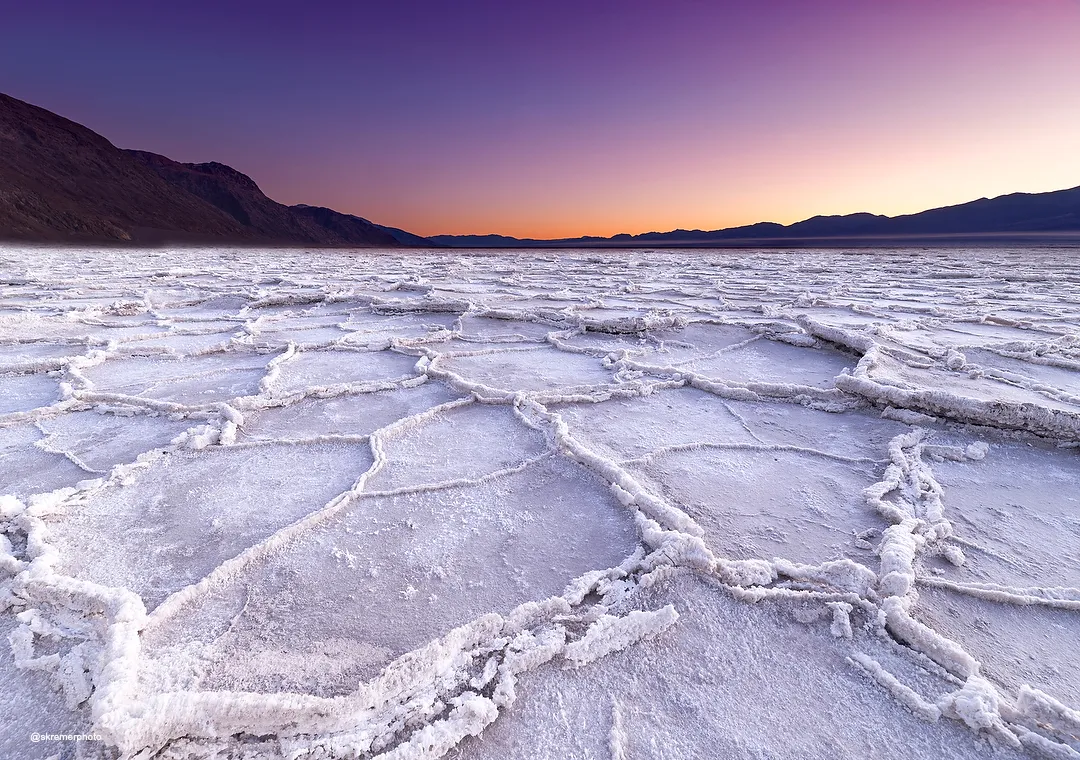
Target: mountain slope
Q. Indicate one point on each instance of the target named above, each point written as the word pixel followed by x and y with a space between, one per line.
pixel 1058 211
pixel 60 181
pixel 237 195
pixel 408 238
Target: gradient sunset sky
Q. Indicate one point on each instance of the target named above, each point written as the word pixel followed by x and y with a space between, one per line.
pixel 552 119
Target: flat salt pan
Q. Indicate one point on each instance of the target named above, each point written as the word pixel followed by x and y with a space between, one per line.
pixel 197 380
pixel 21 354
pixel 359 414
pixel 371 539
pixel 697 341
pixel 772 362
pixel 851 434
pixel 101 441
pixel 540 369
pixel 180 344
pixel 326 368
pixel 768 504
pixel 398 571
pixel 628 428
pixel 432 451
pixel 1008 640
pixel 21 393
pixel 27 469
pixel 482 327
pixel 190 511
pixel 1018 512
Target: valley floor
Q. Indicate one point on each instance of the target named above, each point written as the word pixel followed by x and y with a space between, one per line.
pixel 539 504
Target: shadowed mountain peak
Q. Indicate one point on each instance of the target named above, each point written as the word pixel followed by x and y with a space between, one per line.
pixel 60 181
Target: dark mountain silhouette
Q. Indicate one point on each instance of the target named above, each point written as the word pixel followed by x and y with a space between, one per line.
pixel 491 241
pixel 1018 217
pixel 61 182
pixel 1018 212
pixel 407 238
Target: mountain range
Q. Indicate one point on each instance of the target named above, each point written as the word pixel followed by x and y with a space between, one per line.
pixel 62 182
pixel 1018 217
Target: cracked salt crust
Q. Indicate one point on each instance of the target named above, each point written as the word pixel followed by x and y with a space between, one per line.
pixel 541 505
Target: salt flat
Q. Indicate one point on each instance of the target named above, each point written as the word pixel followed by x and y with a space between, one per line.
pixel 573 504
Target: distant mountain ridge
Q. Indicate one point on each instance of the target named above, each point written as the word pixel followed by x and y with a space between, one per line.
pixel 62 182
pixel 1016 216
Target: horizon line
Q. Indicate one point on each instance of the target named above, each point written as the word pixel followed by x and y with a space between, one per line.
pixel 750 224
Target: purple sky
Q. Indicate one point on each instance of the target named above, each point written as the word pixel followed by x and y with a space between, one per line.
pixel 562 118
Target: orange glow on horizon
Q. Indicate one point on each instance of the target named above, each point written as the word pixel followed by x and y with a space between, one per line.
pixel 890 175
pixel 806 109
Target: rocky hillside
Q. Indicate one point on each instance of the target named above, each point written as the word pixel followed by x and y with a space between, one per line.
pixel 62 182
